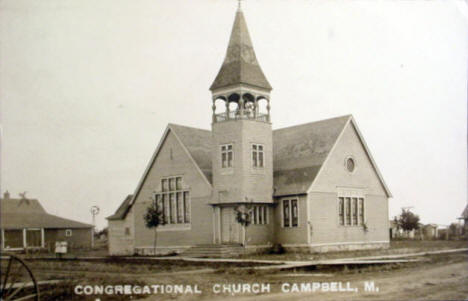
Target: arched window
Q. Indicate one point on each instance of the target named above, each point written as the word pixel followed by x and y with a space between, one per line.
pixel 220 105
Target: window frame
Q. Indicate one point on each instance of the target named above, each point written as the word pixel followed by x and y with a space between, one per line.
pixel 174 201
pixel 259 215
pixel 354 211
pixel 290 213
pixel 361 211
pixel 341 211
pixel 347 159
pixel 68 233
pixel 257 151
pixel 227 155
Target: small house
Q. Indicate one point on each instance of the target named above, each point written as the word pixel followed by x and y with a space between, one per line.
pixel 25 224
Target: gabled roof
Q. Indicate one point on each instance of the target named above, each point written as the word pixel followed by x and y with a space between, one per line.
pixel 29 213
pixel 122 210
pixel 240 65
pixel 465 212
pixel 300 151
pixel 21 206
pixel 198 143
pixel 37 220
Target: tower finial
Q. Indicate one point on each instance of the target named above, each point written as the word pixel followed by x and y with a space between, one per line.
pixel 239 4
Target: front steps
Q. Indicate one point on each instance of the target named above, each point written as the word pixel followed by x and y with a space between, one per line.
pixel 214 251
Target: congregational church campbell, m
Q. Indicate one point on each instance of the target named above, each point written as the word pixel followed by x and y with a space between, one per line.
pixel 310 187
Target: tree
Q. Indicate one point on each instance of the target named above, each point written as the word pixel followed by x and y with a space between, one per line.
pixel 104 232
pixel 408 220
pixel 154 217
pixel 243 217
pixel 453 230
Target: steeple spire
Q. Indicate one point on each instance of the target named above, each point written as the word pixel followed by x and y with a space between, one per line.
pixel 240 66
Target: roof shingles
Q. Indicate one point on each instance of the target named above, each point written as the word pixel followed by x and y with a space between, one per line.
pixel 298 154
pixel 240 65
pixel 29 213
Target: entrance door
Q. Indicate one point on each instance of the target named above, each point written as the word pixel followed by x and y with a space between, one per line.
pixel 229 226
pixel 33 237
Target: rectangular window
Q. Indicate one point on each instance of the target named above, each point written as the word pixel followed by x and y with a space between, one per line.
pixel 361 211
pixel 173 213
pixel 164 185
pixel 226 155
pixel 180 208
pixel 127 231
pixel 68 233
pixel 294 213
pixel 355 213
pixel 186 207
pixel 348 211
pixel 258 215
pixel 173 202
pixel 260 156
pixel 158 202
pixel 254 155
pixel 286 213
pixel 351 211
pixel 229 159
pixel 223 160
pixel 178 183
pixel 341 210
pixel 165 208
pixel 254 218
pixel 290 213
pixel 257 155
pixel 172 184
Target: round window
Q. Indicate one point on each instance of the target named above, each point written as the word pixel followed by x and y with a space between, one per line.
pixel 350 164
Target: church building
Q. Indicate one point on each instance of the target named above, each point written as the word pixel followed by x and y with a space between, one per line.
pixel 312 187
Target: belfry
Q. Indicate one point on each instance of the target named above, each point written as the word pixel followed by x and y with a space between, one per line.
pixel 242 161
pixel 240 79
pixel 243 187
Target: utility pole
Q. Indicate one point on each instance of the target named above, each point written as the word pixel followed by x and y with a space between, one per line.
pixel 94 211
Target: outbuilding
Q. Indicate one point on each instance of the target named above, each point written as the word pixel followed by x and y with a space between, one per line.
pixel 25 224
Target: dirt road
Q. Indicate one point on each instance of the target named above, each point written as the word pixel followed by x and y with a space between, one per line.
pixel 438 277
pixel 446 282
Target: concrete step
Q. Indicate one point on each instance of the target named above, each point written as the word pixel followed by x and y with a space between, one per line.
pixel 214 250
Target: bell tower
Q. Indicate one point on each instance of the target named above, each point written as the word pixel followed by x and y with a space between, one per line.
pixel 242 155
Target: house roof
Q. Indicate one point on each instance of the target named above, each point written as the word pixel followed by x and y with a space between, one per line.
pixel 122 210
pixel 465 212
pixel 300 151
pixel 29 213
pixel 240 65
pixel 21 206
pixel 198 143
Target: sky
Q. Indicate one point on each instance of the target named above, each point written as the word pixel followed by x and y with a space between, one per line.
pixel 88 87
